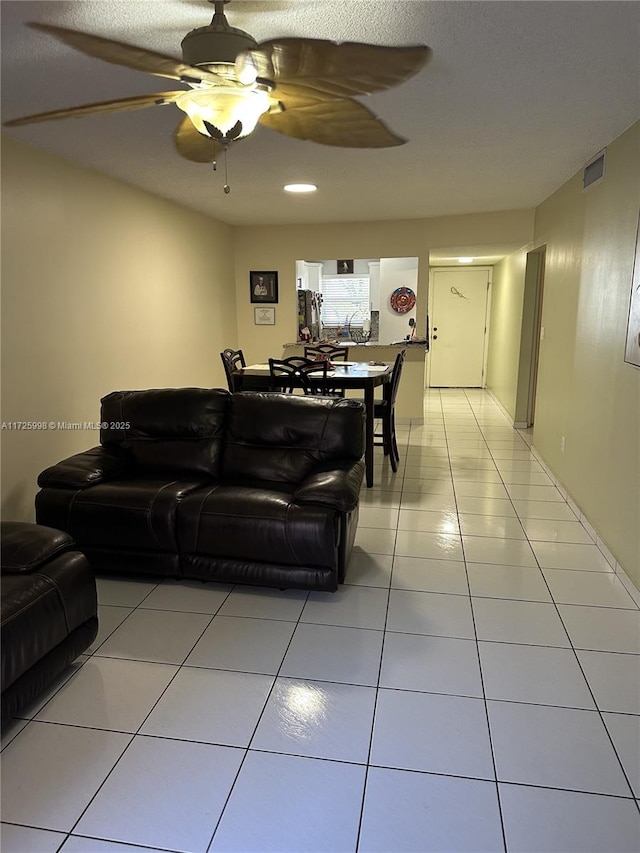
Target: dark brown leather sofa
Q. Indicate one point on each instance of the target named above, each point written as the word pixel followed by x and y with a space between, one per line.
pixel 48 610
pixel 256 488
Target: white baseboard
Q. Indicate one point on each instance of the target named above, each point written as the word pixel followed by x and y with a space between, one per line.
pixel 507 414
pixel 617 567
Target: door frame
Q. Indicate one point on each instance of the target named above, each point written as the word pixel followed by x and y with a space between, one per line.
pixel 532 331
pixel 487 321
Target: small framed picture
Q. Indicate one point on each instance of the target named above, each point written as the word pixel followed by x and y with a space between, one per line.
pixel 263 285
pixel 264 316
pixel 344 266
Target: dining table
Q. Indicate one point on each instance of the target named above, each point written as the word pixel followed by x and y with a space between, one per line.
pixel 345 375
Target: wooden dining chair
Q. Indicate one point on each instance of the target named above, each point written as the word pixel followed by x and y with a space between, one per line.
pixel 384 410
pixel 297 372
pixel 233 360
pixel 333 353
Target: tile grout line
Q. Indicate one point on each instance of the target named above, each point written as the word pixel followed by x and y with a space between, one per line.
pixel 137 731
pixel 484 700
pixel 247 749
pixel 593 696
pixel 375 699
pixel 597 707
pixel 573 649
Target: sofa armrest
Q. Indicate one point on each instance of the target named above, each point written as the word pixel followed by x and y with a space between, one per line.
pixel 86 469
pixel 24 547
pixel 338 486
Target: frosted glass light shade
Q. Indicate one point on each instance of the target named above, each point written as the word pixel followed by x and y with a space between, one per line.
pixel 223 106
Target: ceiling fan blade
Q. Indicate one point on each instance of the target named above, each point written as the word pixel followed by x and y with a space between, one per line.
pixel 119 53
pixel 341 70
pixel 292 96
pixel 328 121
pixel 195 146
pixel 135 103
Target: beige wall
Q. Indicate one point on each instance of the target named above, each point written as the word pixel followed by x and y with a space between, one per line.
pixel 586 392
pixel 107 287
pixel 104 287
pixel 278 248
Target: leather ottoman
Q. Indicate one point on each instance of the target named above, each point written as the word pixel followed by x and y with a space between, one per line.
pixel 49 610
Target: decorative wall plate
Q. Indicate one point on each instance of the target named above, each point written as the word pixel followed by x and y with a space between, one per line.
pixel 402 300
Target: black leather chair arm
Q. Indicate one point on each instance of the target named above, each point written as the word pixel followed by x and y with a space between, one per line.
pixel 86 469
pixel 338 486
pixel 24 547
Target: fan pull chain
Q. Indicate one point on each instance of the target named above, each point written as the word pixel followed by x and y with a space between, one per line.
pixel 214 166
pixel 226 187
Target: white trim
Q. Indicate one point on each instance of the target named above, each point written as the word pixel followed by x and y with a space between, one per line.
pixel 508 416
pixel 628 584
pixel 485 356
pixel 616 566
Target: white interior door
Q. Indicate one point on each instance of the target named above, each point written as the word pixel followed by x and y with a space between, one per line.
pixel 459 303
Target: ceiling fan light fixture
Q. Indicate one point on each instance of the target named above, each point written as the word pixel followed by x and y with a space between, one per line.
pixel 218 42
pixel 224 107
pixel 303 88
pixel 300 188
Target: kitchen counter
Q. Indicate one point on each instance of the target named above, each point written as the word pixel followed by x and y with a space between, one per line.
pixel 353 345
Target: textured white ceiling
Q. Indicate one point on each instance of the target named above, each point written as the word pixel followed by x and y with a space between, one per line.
pixel 517 97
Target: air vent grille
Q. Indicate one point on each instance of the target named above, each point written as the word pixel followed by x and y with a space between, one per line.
pixel 594 170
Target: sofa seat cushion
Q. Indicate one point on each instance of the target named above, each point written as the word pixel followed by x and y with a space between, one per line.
pixel 258 523
pixel 42 608
pixel 137 513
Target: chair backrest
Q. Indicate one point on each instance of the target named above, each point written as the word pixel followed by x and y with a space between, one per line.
pixel 329 351
pixel 298 372
pixel 391 388
pixel 232 360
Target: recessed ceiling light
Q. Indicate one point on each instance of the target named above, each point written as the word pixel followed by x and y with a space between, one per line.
pixel 466 260
pixel 300 188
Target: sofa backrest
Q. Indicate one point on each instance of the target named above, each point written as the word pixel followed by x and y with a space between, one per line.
pixel 282 437
pixel 168 430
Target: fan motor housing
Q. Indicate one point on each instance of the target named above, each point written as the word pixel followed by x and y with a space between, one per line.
pixel 207 45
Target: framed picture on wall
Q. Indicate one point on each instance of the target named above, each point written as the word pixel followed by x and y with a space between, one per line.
pixel 264 316
pixel 263 285
pixel 344 266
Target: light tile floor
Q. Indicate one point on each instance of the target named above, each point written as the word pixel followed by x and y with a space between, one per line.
pixel 475 685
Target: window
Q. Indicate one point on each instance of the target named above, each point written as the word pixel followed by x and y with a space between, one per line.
pixel 345 299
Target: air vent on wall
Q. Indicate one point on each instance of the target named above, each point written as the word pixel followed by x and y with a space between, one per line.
pixel 594 170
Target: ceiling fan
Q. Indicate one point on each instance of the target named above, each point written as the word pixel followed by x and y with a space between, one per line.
pixel 300 87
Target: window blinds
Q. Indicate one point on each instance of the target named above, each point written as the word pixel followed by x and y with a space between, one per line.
pixel 345 299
